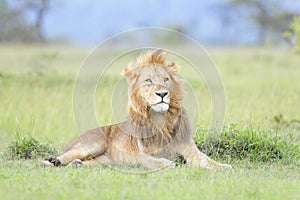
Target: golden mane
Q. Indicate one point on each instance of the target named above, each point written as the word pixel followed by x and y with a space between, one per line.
pixel 156 57
pixel 139 113
pixel 152 57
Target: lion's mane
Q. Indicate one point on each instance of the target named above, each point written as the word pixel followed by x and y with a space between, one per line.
pixel 141 124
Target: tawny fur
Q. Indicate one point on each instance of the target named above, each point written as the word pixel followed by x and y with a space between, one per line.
pixel 150 138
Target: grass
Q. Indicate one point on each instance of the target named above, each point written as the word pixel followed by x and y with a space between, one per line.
pixel 261 138
pixel 248 181
pixel 247 143
pixel 28 148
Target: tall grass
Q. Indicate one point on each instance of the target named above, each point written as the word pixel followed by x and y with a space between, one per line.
pixel 255 144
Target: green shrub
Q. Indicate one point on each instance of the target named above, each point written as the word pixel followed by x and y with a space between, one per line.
pixel 236 143
pixel 28 148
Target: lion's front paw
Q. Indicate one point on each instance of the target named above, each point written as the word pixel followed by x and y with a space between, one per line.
pixel 51 162
pixel 46 163
pixel 75 163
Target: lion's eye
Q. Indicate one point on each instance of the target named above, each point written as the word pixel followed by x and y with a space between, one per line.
pixel 166 79
pixel 148 81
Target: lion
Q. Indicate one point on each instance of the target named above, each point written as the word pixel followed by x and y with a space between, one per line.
pixel 157 128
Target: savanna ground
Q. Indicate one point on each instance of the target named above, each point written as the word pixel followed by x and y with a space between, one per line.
pixel 262 131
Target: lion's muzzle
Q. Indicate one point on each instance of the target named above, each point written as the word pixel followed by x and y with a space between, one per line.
pixel 163 99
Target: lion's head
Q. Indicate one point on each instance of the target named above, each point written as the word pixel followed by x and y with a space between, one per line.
pixel 153 86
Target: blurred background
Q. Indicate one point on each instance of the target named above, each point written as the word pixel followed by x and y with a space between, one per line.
pixel 216 22
pixel 44 42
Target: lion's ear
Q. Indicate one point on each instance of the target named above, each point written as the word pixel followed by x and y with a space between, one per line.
pixel 173 68
pixel 126 72
pixel 129 74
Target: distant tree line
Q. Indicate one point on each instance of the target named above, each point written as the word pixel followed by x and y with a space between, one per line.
pixel 268 18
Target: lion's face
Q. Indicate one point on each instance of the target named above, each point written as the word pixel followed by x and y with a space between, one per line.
pixel 153 86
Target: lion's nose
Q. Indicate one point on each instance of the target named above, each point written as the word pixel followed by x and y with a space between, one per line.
pixel 161 94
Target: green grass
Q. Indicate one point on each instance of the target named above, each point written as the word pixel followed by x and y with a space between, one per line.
pixel 248 143
pixel 261 138
pixel 28 148
pixel 27 180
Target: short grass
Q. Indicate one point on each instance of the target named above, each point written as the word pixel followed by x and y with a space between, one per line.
pixel 26 180
pixel 263 94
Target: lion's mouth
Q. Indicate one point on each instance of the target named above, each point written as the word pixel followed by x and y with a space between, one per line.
pixel 160 103
pixel 160 106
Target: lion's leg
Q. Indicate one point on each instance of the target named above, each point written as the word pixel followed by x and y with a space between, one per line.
pixel 77 150
pixel 82 151
pixel 86 147
pixel 72 157
pixel 195 157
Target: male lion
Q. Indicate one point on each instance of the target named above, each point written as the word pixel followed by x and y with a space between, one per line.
pixel 157 129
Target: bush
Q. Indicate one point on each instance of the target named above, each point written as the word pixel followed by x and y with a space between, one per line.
pixel 29 148
pixel 236 143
